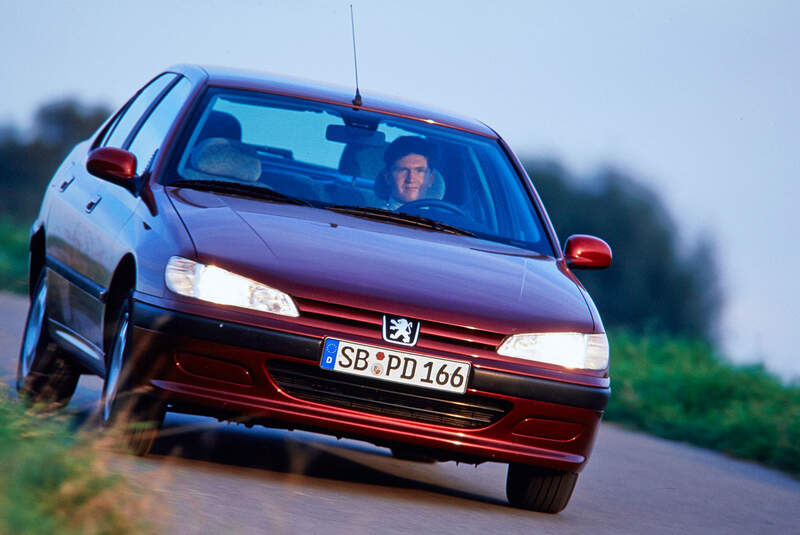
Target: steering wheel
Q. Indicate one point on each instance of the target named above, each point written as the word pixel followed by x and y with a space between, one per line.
pixel 421 204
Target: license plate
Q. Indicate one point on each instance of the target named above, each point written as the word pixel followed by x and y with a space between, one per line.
pixel 395 366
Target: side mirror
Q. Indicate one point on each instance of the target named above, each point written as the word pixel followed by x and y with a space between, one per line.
pixel 587 252
pixel 115 165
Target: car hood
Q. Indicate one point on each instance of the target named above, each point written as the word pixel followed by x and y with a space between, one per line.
pixel 326 256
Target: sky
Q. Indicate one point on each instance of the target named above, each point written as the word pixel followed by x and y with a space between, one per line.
pixel 698 100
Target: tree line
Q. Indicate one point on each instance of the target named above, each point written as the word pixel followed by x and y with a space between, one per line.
pixel 657 282
pixel 29 159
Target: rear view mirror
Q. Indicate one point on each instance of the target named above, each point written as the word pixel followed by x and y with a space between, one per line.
pixel 353 134
pixel 115 165
pixel 587 252
pixel 112 163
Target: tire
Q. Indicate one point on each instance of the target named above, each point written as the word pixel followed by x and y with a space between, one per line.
pixel 46 374
pixel 539 489
pixel 124 406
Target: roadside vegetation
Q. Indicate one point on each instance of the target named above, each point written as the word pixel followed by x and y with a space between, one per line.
pixel 13 255
pixel 681 390
pixel 55 481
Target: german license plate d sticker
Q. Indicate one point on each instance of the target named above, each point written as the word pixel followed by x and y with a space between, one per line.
pixel 329 354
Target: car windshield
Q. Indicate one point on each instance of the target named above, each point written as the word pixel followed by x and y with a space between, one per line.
pixel 356 162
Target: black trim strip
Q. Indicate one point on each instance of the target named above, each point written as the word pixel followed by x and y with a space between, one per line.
pixel 585 397
pixel 84 283
pixel 224 332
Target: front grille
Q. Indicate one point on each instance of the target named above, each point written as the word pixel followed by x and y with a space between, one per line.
pixel 387 399
pixel 332 316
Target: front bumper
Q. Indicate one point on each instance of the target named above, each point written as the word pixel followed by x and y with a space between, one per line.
pixel 222 368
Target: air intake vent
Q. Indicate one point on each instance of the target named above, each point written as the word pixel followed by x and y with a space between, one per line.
pixel 387 399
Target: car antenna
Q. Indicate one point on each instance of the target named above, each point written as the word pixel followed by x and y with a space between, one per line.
pixel 357 98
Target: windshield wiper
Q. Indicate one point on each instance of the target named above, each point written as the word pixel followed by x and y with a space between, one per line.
pixel 398 217
pixel 237 188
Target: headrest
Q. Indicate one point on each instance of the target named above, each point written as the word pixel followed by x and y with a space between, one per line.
pixel 361 160
pixel 225 158
pixel 221 124
pixel 436 191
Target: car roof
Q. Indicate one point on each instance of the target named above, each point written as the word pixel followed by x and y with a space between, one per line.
pixel 297 87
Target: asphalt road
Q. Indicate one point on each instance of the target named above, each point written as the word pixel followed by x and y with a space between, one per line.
pixel 218 478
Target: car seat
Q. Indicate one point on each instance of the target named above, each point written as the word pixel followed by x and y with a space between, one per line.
pixel 220 153
pixel 221 157
pixel 221 124
pixel 361 162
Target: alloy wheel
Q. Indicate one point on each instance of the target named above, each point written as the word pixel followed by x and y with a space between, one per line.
pixel 111 384
pixel 33 330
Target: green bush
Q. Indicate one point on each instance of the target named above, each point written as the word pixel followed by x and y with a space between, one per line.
pixel 680 390
pixel 54 481
pixel 13 256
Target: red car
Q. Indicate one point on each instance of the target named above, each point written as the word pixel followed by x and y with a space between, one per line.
pixel 274 252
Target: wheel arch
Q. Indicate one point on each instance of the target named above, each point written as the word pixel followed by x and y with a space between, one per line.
pixel 122 284
pixel 36 259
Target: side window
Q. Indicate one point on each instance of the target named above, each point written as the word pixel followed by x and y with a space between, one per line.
pixel 107 132
pixel 150 136
pixel 130 116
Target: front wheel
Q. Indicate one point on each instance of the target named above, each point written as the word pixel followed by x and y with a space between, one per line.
pixel 123 404
pixel 46 375
pixel 539 489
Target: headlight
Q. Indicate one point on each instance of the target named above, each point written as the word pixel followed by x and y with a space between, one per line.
pixel 217 285
pixel 571 350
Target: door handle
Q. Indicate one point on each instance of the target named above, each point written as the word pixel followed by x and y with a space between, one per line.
pixel 64 185
pixel 91 205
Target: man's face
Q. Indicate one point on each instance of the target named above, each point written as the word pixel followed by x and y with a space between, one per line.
pixel 410 178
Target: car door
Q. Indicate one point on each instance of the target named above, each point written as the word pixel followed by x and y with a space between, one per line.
pixel 82 225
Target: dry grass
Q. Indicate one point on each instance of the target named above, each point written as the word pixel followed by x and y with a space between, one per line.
pixel 57 481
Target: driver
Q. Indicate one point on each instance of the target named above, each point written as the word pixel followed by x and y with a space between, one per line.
pixel 409 174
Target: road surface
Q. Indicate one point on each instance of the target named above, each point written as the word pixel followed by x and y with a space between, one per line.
pixel 221 478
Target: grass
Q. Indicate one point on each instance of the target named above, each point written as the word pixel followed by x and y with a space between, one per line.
pixel 680 390
pixel 57 481
pixel 13 256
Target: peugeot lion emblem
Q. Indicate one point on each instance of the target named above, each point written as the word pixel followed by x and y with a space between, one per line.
pixel 399 330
